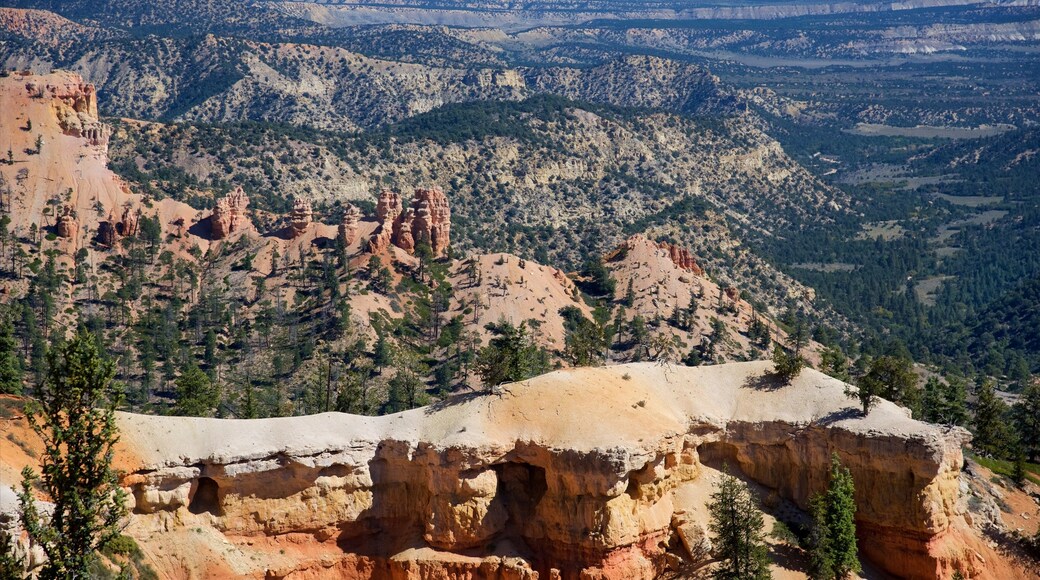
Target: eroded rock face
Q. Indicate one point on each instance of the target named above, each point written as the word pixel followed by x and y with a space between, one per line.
pixel 388 209
pixel 348 226
pixel 426 220
pixel 300 217
pixel 112 229
pixel 129 222
pixel 682 257
pixel 431 219
pixel 229 215
pixel 74 103
pixel 67 227
pixel 538 482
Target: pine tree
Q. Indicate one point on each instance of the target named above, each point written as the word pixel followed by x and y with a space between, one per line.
pixel 511 355
pixel 1027 419
pixel 891 377
pixel 10 362
pixel 75 418
pixel 834 549
pixel 737 529
pixel 196 394
pixel 991 434
pixel 786 365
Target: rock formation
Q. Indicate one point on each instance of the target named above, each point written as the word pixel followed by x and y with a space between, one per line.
pixel 130 221
pixel 388 209
pixel 587 472
pixel 67 226
pixel 348 226
pixel 682 257
pixel 107 235
pixel 431 219
pixel 229 215
pixel 427 219
pixel 111 229
pixel 300 217
pixel 74 103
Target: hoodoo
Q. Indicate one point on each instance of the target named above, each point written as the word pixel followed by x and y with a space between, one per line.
pixel 229 214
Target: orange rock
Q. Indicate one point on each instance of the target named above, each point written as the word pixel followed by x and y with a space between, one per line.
pixel 229 215
pixel 67 225
pixel 348 227
pixel 427 219
pixel 300 217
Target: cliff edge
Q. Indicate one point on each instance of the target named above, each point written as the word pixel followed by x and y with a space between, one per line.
pixel 583 473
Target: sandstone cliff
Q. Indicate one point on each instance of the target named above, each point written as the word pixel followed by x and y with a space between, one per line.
pixel 591 473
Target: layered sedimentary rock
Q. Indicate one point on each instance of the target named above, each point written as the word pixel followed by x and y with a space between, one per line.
pixel 427 219
pixel 300 217
pixel 348 226
pixel 229 215
pixel 74 103
pixel 589 473
pixel 431 219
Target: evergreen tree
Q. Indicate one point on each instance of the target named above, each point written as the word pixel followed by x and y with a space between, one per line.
pixel 944 403
pixel 586 341
pixel 196 394
pixel 991 433
pixel 786 365
pixel 833 362
pixel 890 377
pixel 630 295
pixel 1027 419
pixel 75 418
pixel 737 529
pixel 10 362
pixel 833 551
pixel 511 355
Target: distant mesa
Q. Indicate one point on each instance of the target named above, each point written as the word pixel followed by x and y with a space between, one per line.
pixel 229 215
pixel 426 220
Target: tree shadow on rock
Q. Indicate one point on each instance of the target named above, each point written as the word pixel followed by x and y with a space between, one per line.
pixel 840 415
pixel 764 382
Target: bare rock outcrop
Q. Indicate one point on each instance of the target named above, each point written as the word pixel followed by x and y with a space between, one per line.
pixel 112 229
pixel 74 103
pixel 67 227
pixel 427 219
pixel 431 219
pixel 388 209
pixel 300 217
pixel 348 226
pixel 129 222
pixel 585 472
pixel 229 215
pixel 682 257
